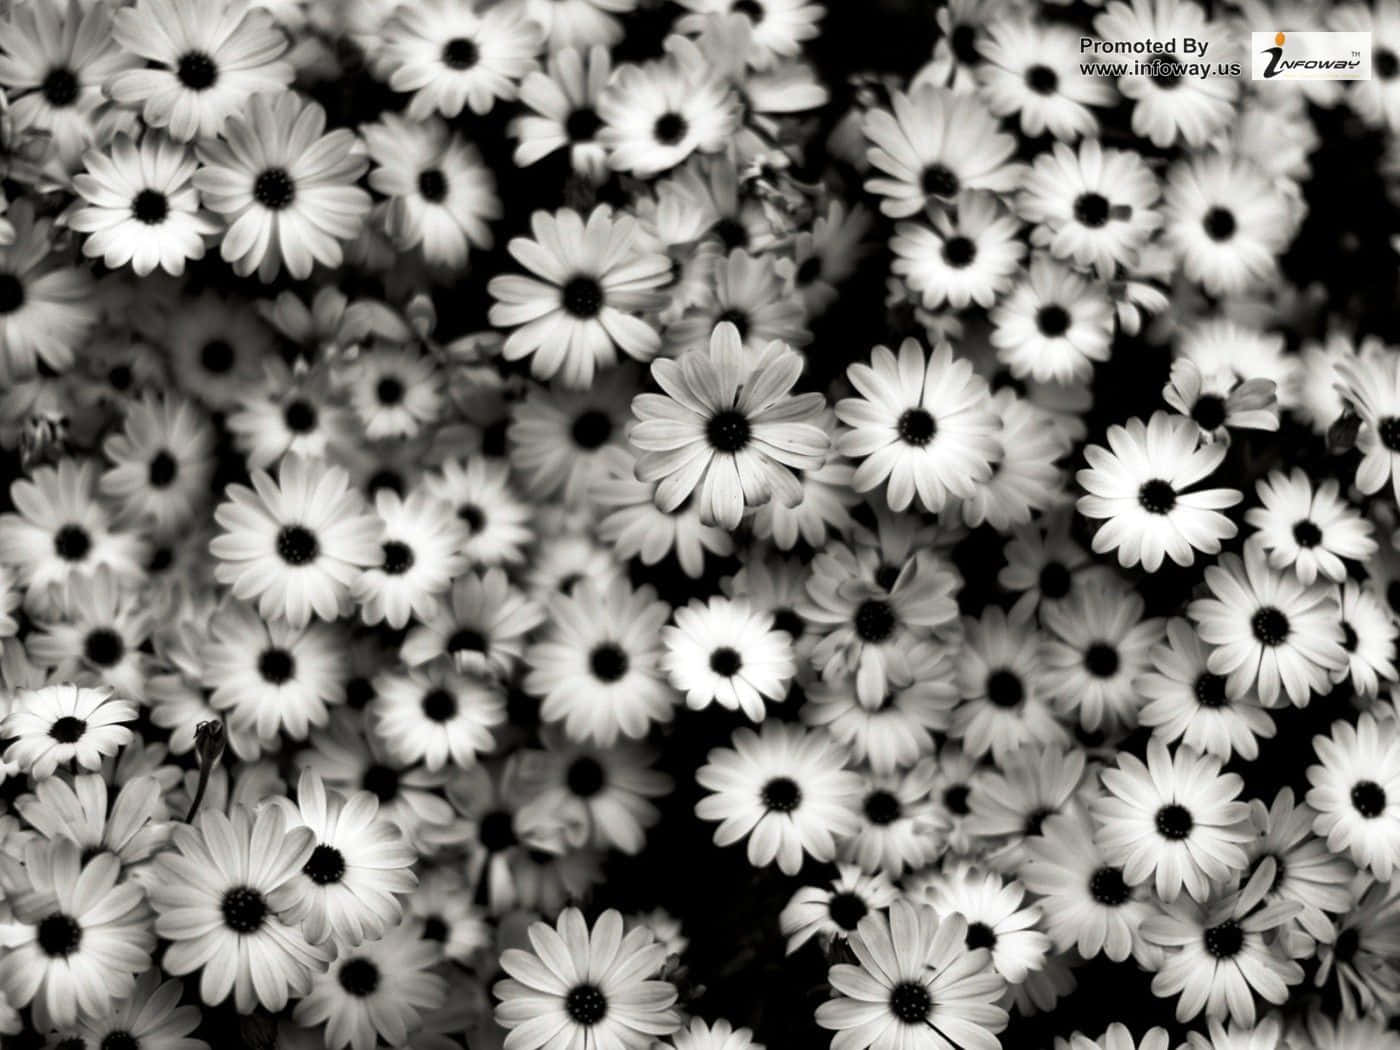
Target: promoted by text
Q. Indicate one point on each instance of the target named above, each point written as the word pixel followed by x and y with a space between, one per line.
pixel 1173 58
pixel 1310 56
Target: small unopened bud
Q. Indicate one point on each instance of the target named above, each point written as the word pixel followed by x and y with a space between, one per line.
pixel 1341 435
pixel 208 747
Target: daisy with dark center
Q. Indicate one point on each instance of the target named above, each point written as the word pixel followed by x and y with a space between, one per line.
pixel 1093 206
pixel 967 254
pixel 992 907
pixel 450 55
pixel 563 441
pixel 1356 793
pixel 728 653
pixel 1268 629
pixel 99 631
pixel 785 790
pixel 1043 566
pixel 1143 485
pixel 1369 632
pixel 162 461
pixel 1357 956
pixel 1172 820
pixel 441 194
pixel 442 903
pixel 202 63
pixel 140 206
pixel 590 987
pixel 920 423
pixel 497 521
pixel 1032 71
pixel 295 544
pixel 285 187
pixel 1219 955
pixel 1012 803
pixel 53 725
pixel 754 293
pixel 728 429
pixel 917 984
pixel 592 278
pixel 221 901
pixel 46 310
pixel 563 110
pixel 217 350
pixel 395 393
pixel 835 909
pixel 1054 325
pixel 999 673
pixel 291 414
pixel 421 554
pixel 481 628
pixel 824 509
pixel 1310 529
pixel 956 55
pixel 657 114
pixel 131 829
pixel 899 826
pixel 1220 401
pixel 1087 903
pixel 1370 384
pixel 598 666
pixel 1027 479
pixel 379 989
pixel 1377 101
pixel 933 146
pixel 151 1019
pixel 76 934
pixel 1186 701
pixel 1098 644
pixel 435 715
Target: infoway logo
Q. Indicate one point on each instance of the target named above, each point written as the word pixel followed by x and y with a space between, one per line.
pixel 1311 56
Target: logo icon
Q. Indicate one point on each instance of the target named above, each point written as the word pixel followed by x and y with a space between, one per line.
pixel 1311 56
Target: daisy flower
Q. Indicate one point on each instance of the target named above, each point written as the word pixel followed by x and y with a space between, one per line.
pixel 481 628
pixel 1356 793
pixel 435 715
pixel 295 544
pixel 1188 702
pixel 217 350
pixel 1054 325
pixel 917 984
pixel 1027 478
pixel 563 108
pixel 824 509
pixel 55 724
pixel 441 194
pixel 1219 401
pixel 728 653
pixel 285 187
pixel 1224 219
pixel 754 293
pixel 1172 820
pixel 395 393
pixel 835 909
pixel 1310 530
pixel 1043 566
pixel 450 54
pixel 598 666
pixel 1032 785
pixel 99 630
pixel 131 831
pixel 1087 903
pixel 1142 484
pixel 220 902
pixel 728 428
pixel 1369 631
pixel 422 553
pixel 162 462
pixel 140 206
pixel 996 919
pixel 922 424
pixel 1032 71
pixel 1168 105
pixel 1092 205
pixel 152 1019
pixel 286 413
pixel 1268 629
pixel 934 145
pixel 970 253
pixel 1376 100
pixel 78 935
pixel 202 63
pixel 1370 383
pixel 587 986
pixel 785 789
pixel 497 522
pixel 899 827
pixel 1357 956
pixel 592 278
pixel 657 114
pixel 46 309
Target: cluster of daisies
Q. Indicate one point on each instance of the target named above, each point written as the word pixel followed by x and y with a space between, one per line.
pixel 424 422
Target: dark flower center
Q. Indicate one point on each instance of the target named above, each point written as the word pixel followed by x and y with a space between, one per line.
pixel 382 782
pixel 196 71
pixel 737 318
pixel 216 357
pixel 1167 76
pixel 582 124
pixel 162 469
pixel 1210 690
pixel 959 251
pixel 1042 80
pixel 1091 209
pixel 963 40
pixel 591 429
pixel 244 909
pixel 882 808
pixel 938 180
pixel 1174 822
pixel 980 935
pixel 104 647
pixel 1004 688
pixel 1226 940
pixel 71 543
pixel 325 865
pixel 1208 411
pixel 583 296
pixel 1388 430
pixel 119 1041
pixel 781 795
pixel 585 777
pixel 1101 660
pixel 11 293
pixel 297 545
pixel 439 705
pixel 955 799
pixel 1157 496
pixel 60 87
pixel 300 416
pixel 398 558
pixel 732 233
pixel 1368 799
pixel 875 620
pixel 846 910
pixel 1107 886
pixel 67 729
pixel 359 691
pixel 150 207
pixel 496 831
pixel 608 662
pixel 1052 320
pixel 1348 944
pixel 586 1004
pixel 910 1002
pixel 389 390
pixel 1054 580
pixel 59 935
pixel 1349 638
pixel 473 516
pixel 749 9
pixel 432 186
pixel 459 53
pixel 276 666
pixel 728 431
pixel 917 427
pixel 669 129
pixel 274 189
pixel 1387 64
pixel 1270 626
pixel 466 640
pixel 1306 534
pixel 1219 224
pixel 787 621
pixel 726 661
pixel 359 976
